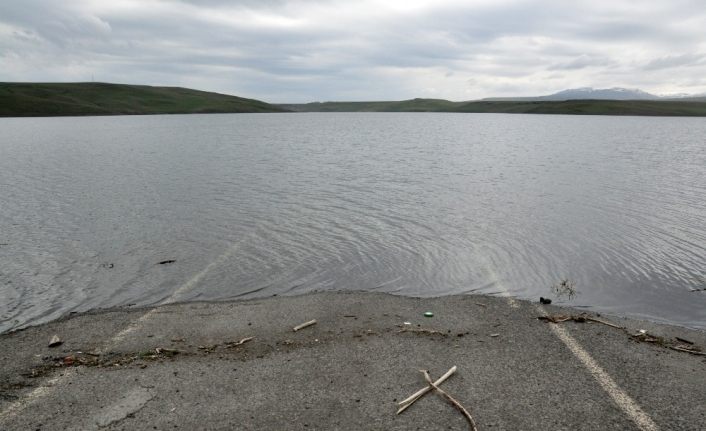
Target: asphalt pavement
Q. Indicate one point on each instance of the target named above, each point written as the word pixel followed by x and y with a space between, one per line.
pixel 239 365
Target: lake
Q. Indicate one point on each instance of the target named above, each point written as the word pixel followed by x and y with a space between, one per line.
pixel 419 204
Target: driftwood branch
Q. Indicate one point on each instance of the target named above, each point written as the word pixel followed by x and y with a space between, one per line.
pixel 592 319
pixel 642 335
pixel 693 352
pixel 684 340
pixel 415 396
pixel 304 325
pixel 238 343
pixel 450 399
pixel 559 318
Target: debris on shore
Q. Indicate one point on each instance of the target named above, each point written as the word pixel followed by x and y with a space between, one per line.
pixel 230 344
pixel 678 344
pixel 434 385
pixel 582 318
pixel 304 325
pixel 55 341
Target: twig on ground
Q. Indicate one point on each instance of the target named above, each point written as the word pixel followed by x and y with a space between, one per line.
pixel 558 318
pixel 304 325
pixel 641 335
pixel 683 340
pixel 160 350
pixel 604 322
pixel 450 399
pixel 555 319
pixel 238 343
pixel 682 349
pixel 415 396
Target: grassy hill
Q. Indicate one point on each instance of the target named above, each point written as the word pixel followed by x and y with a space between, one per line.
pixel 695 108
pixel 88 98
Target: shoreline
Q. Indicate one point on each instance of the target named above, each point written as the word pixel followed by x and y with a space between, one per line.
pixel 181 364
pixel 648 320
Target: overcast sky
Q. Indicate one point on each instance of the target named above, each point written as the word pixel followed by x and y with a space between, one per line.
pixel 307 50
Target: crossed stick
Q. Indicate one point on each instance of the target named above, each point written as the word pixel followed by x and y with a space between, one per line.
pixel 404 404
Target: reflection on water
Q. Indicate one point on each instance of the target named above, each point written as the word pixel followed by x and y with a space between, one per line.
pixel 412 204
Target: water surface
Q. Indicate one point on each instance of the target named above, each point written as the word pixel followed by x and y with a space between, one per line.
pixel 252 205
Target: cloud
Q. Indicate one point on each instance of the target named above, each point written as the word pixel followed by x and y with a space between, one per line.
pixel 300 50
pixel 583 61
pixel 671 61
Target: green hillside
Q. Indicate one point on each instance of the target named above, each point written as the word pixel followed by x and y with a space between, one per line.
pixel 87 98
pixel 695 108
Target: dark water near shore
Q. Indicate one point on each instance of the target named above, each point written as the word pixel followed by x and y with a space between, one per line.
pixel 412 204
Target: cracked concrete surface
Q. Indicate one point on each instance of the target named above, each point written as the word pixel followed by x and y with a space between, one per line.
pixel 347 371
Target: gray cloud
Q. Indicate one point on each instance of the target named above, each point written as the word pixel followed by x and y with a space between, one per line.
pixel 301 50
pixel 672 61
pixel 583 61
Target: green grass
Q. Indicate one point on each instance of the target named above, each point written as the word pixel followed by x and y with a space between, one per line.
pixel 570 107
pixel 87 98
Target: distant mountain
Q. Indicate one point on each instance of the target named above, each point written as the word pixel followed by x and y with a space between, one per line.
pixel 701 97
pixel 586 93
pixel 94 98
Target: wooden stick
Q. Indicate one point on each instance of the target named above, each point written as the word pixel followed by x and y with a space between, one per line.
pixel 450 399
pixel 304 325
pixel 693 352
pixel 415 396
pixel 604 322
pixel 555 319
pixel 243 341
pixel 683 340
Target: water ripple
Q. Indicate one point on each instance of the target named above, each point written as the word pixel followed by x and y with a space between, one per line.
pixel 411 204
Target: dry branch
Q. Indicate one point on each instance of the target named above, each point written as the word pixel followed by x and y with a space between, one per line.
pixel 238 343
pixel 559 318
pixel 450 399
pixel 304 325
pixel 693 352
pixel 604 322
pixel 684 340
pixel 415 396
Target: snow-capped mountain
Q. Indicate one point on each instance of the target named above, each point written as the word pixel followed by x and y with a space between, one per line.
pixel 682 96
pixel 615 93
